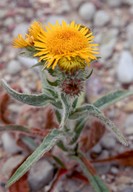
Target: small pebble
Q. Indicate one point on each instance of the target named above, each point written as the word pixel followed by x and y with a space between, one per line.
pixel 128 2
pixel 52 19
pixel 13 67
pixel 97 149
pixel 124 69
pixel 21 28
pixel 129 124
pixel 40 175
pixel 9 143
pixel 108 141
pixel 11 164
pixel 114 3
pixel 127 189
pixel 26 61
pixel 87 11
pixel 114 170
pixel 101 18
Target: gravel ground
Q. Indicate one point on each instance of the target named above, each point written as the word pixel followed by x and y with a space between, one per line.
pixel 112 23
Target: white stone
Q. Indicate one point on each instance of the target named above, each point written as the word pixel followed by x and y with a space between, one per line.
pixel 9 143
pixel 1 48
pixel 106 50
pixel 129 124
pixel 124 68
pixel 2 13
pixel 103 169
pixel 129 2
pixel 11 164
pixel 114 170
pixel 108 141
pixel 129 31
pixel 114 3
pixel 26 61
pixel 97 149
pixel 87 11
pixel 13 67
pixel 108 43
pixel 98 38
pixel 9 21
pixel 116 21
pixel 76 3
pixel 18 19
pixel 40 174
pixel 21 29
pixel 6 38
pixel 101 18
pixel 52 19
pixel 131 10
pixel 127 188
pixel 62 7
pixel 30 13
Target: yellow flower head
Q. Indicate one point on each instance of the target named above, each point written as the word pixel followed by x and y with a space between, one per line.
pixel 67 45
pixel 30 37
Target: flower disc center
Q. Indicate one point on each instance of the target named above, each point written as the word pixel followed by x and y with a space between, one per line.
pixel 66 41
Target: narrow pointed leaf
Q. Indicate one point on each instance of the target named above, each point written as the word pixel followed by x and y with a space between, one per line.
pixel 111 98
pixel 53 83
pixel 78 129
pixel 59 161
pixel 34 99
pixel 75 102
pixel 90 173
pixel 58 115
pixel 61 145
pixel 89 75
pixel 91 110
pixel 14 128
pixel 37 64
pixel 49 141
pixel 29 142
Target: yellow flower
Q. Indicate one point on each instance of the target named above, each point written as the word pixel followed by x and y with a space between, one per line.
pixel 30 37
pixel 67 45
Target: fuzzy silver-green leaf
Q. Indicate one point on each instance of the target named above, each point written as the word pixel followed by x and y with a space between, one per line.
pixel 49 141
pixel 111 98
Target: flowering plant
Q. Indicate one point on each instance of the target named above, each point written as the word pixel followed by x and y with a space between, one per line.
pixel 65 52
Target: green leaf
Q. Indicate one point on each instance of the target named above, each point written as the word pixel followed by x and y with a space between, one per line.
pixel 111 98
pixel 50 91
pixel 81 99
pixel 61 145
pixel 78 129
pixel 89 75
pixel 75 102
pixel 38 64
pixel 95 180
pixel 49 141
pixel 58 115
pixel 65 105
pixel 29 142
pixel 53 83
pixel 91 110
pixel 34 99
pixel 59 161
pixel 57 104
pixel 28 52
pixel 52 72
pixel 14 128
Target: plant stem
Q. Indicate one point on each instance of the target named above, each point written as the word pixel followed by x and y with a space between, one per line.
pixel 90 173
pixel 65 111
